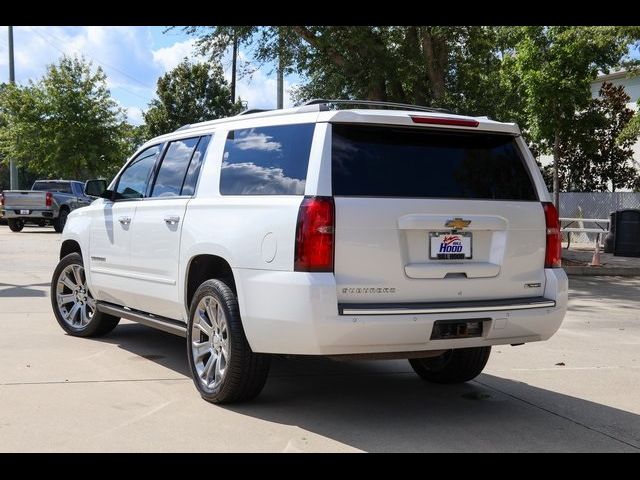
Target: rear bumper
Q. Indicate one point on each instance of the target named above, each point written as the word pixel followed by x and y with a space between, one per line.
pixel 298 313
pixel 33 213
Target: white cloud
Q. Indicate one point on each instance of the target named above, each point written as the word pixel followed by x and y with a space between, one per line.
pixel 260 91
pixel 250 179
pixel 169 57
pixel 134 115
pixel 256 141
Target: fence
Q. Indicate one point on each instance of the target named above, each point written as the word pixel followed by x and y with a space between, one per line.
pixel 594 205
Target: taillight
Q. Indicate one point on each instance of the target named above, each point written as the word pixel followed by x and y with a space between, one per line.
pixel 48 199
pixel 552 256
pixel 314 235
pixel 457 122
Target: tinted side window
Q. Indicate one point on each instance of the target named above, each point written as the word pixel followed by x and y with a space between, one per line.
pixel 135 178
pixel 189 186
pixel 408 162
pixel 174 167
pixel 266 160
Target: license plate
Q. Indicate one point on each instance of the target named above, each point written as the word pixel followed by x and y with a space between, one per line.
pixel 450 246
pixel 25 212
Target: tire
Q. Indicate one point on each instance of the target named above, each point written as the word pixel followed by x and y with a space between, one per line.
pixel 42 223
pixel 15 224
pixel 85 321
pixel 454 366
pixel 244 373
pixel 59 223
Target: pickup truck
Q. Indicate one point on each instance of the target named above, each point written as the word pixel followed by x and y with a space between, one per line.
pixel 48 201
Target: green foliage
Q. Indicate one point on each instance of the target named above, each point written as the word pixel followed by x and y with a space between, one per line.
pixel 632 131
pixel 187 94
pixel 554 67
pixel 453 67
pixel 65 125
pixel 592 158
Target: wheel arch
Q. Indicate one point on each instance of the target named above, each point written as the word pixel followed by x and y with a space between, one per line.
pixel 203 267
pixel 69 246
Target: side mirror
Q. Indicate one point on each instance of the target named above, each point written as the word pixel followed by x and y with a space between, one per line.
pixel 97 188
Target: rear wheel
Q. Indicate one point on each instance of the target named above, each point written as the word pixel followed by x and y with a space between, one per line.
pixel 453 366
pixel 73 304
pixel 15 224
pixel 223 366
pixel 59 223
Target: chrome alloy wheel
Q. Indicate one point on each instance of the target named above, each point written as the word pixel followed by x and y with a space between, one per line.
pixel 210 342
pixel 75 303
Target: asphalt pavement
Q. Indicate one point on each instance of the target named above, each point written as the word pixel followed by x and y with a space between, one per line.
pixel 131 391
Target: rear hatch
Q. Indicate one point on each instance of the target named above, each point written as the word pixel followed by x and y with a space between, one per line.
pixel 428 214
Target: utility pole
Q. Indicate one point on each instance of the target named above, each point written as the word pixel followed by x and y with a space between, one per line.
pixel 280 74
pixel 233 68
pixel 13 169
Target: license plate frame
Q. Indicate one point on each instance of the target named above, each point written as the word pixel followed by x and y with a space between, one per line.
pixel 25 212
pixel 464 240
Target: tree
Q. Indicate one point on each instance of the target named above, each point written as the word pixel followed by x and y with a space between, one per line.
pixel 553 68
pixel 187 94
pixel 592 157
pixel 65 124
pixel 632 130
pixel 454 67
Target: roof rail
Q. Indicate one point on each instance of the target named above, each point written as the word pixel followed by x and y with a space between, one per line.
pixel 255 110
pixel 374 103
pixel 183 127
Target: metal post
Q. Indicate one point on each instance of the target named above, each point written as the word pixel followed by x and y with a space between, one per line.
pixel 280 74
pixel 13 169
pixel 233 68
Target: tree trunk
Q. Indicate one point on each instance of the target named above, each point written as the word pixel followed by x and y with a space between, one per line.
pixel 377 90
pixel 556 177
pixel 434 50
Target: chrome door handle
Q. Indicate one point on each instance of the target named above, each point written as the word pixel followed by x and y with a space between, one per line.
pixel 172 220
pixel 124 220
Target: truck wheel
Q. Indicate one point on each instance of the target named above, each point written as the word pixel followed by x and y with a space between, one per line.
pixel 454 366
pixel 15 224
pixel 223 367
pixel 58 223
pixel 73 304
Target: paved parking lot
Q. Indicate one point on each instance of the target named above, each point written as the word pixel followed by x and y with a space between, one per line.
pixel 131 391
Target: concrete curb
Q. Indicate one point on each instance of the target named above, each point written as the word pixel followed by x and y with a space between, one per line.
pixel 608 271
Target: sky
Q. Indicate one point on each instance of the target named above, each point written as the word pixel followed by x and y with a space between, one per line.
pixel 133 59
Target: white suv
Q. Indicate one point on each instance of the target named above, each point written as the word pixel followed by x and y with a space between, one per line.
pixel 354 233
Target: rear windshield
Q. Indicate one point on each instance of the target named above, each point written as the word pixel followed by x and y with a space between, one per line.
pixel 377 161
pixel 62 187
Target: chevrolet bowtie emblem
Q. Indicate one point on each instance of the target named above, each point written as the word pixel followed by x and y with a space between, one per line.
pixel 457 223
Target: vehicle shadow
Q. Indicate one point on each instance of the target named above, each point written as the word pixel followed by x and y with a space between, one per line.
pixel 39 230
pixel 22 290
pixel 382 406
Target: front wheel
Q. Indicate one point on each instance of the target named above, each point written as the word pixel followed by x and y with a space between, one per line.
pixel 72 302
pixel 223 366
pixel 15 224
pixel 454 366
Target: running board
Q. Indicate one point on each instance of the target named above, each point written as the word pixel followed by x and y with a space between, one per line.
pixel 444 307
pixel 154 321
